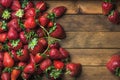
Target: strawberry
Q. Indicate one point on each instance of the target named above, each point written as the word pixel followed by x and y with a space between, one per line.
pixel 65 53
pixel 34 47
pixel 113 65
pixel 15 5
pixel 1 56
pixel 29 69
pixel 6 3
pixel 73 69
pixel 15 74
pixel 41 6
pixel 5 76
pixel 107 7
pixel 40 32
pixel 54 45
pixel 45 64
pixel 43 21
pixel 23 37
pixel 1 11
pixel 114 17
pixel 3 26
pixel 57 32
pixel 30 23
pixel 22 55
pixel 13 15
pixel 22 64
pixel 30 13
pixel 12 34
pixel 3 37
pixel 8 60
pixel 14 24
pixel 25 76
pixel 38 58
pixel 1 66
pixel 43 41
pixel 55 54
pixel 27 5
pixel 58 64
pixel 13 52
pixel 15 44
pixel 50 24
pixel 59 11
pixel 32 59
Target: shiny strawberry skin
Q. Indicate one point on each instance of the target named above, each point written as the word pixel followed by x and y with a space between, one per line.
pixel 106 7
pixel 38 58
pixel 29 69
pixel 59 11
pixel 15 74
pixel 45 64
pixel 113 63
pixel 65 53
pixel 41 6
pixel 29 5
pixel 43 21
pixel 5 76
pixel 6 3
pixel 30 13
pixel 58 64
pixel 3 37
pixel 15 5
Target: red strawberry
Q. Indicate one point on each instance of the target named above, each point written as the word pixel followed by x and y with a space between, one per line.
pixel 51 24
pixel 32 59
pixel 3 37
pixel 59 11
pixel 43 21
pixel 54 45
pixel 21 64
pixel 113 65
pixel 6 3
pixel 3 26
pixel 38 58
pixel 58 64
pixel 15 44
pixel 14 55
pixel 5 76
pixel 41 6
pixel 29 69
pixel 45 64
pixel 114 17
pixel 15 5
pixel 29 5
pixel 12 34
pixel 40 32
pixel 15 74
pixel 43 41
pixel 1 56
pixel 1 11
pixel 30 13
pixel 64 53
pixel 55 54
pixel 13 15
pixel 7 60
pixel 58 32
pixel 30 23
pixel 34 47
pixel 1 66
pixel 73 69
pixel 26 76
pixel 23 37
pixel 22 55
pixel 14 24
pixel 106 7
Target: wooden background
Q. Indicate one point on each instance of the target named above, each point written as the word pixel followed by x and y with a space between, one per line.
pixel 91 38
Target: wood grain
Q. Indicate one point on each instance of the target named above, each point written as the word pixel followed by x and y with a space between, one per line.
pixel 92 57
pixel 87 23
pixel 92 40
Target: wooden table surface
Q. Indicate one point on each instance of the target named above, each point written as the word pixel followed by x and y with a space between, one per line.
pixel 91 38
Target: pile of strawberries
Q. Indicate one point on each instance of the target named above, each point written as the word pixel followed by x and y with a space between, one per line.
pixel 109 9
pixel 29 39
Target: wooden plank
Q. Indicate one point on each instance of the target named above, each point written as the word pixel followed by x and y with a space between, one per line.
pixel 89 23
pixel 92 57
pixel 92 40
pixel 93 73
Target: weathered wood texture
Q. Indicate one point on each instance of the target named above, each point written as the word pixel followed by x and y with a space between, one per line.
pixel 92 40
pixel 79 6
pixel 87 23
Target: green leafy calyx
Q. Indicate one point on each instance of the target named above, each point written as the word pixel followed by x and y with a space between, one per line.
pixel 6 14
pixel 19 52
pixel 20 13
pixel 32 43
pixel 14 43
pixel 24 3
pixel 53 28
